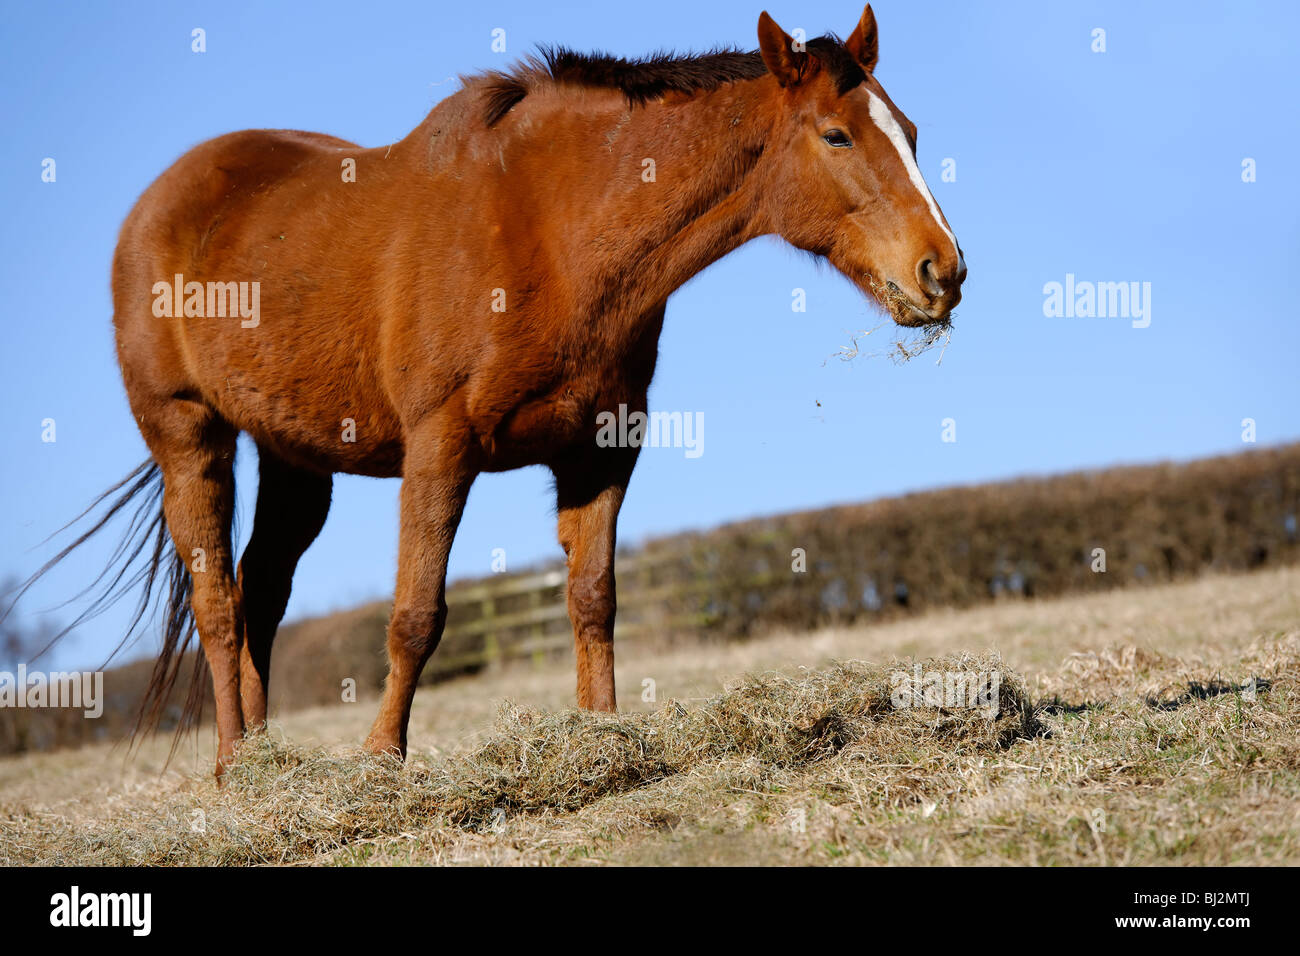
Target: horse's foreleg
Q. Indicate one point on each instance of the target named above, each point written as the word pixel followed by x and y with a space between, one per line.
pixel 291 507
pixel 436 479
pixel 589 493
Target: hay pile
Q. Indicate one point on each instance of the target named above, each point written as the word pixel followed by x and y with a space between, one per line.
pixel 285 803
pixel 567 760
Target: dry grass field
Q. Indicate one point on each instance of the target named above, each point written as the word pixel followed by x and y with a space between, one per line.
pixel 1123 738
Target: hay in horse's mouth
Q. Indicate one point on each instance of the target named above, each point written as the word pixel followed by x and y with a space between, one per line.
pixel 900 308
pixel 924 338
pixel 918 337
pixel 914 341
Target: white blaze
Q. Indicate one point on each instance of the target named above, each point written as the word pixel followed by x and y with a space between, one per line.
pixel 884 119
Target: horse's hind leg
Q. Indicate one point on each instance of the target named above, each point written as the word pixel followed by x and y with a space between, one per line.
pixel 292 503
pixel 196 450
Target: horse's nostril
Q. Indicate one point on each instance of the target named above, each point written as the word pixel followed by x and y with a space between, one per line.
pixel 928 276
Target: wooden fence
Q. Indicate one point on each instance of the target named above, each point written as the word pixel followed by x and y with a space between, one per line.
pixel 524 616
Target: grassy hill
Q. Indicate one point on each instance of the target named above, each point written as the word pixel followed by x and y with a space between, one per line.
pixel 1137 745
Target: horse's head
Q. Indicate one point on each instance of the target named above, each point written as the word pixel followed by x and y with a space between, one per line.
pixel 849 187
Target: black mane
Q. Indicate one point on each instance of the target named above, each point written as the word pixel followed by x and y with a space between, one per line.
pixel 648 77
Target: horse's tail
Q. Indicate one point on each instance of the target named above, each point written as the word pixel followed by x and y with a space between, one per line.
pixel 166 582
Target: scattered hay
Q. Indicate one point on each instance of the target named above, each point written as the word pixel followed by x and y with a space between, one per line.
pixel 1160 681
pixel 283 803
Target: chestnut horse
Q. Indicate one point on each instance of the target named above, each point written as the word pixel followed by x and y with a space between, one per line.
pixel 469 299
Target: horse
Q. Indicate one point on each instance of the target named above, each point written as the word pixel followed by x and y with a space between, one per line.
pixel 471 299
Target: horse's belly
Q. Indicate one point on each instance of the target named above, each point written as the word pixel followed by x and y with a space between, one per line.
pixel 316 423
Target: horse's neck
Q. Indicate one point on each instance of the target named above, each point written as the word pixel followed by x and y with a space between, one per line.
pixel 654 194
pixel 700 203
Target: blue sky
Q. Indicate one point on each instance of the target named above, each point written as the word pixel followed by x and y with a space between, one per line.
pixel 1117 166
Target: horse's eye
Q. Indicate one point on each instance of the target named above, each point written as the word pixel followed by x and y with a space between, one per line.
pixel 837 137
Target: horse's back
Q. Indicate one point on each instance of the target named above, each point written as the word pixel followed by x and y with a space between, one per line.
pixel 175 213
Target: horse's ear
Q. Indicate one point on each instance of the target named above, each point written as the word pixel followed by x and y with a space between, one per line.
pixel 863 42
pixel 783 61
